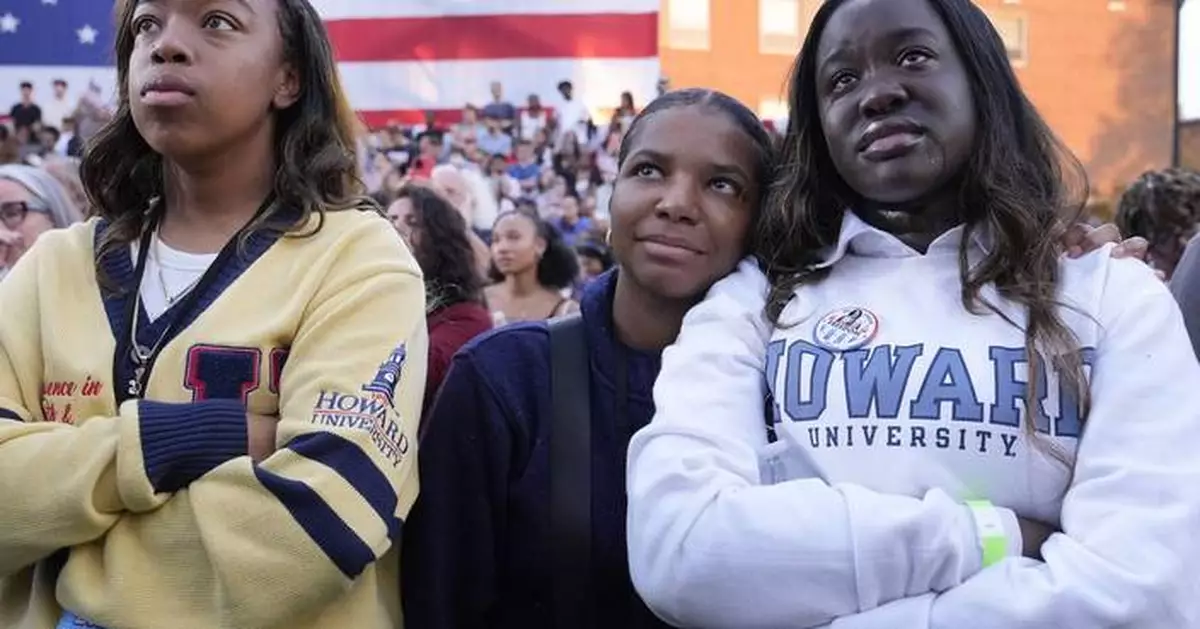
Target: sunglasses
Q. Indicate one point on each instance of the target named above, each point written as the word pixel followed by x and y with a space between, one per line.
pixel 12 213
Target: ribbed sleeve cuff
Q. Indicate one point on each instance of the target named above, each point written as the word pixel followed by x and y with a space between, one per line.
pixel 182 442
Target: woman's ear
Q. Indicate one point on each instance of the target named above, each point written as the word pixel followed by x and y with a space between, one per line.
pixel 287 90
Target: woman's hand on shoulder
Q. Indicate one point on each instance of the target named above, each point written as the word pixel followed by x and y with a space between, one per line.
pixel 1081 238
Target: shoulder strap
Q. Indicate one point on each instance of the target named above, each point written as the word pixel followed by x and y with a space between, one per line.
pixel 570 474
pixel 556 311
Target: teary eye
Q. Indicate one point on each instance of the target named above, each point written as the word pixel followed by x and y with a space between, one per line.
pixel 842 80
pixel 915 57
pixel 219 22
pixel 646 170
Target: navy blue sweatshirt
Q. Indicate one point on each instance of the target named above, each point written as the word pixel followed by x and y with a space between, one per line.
pixel 477 543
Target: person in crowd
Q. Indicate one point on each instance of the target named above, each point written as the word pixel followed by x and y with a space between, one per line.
pixel 470 127
pixel 624 114
pixel 500 109
pixel 471 194
pixel 587 175
pixel 66 171
pixel 501 186
pixel 532 121
pixel 569 222
pixel 526 169
pixel 478 551
pixel 909 472
pixel 542 149
pixel 567 157
pixel 532 267
pixel 47 138
pixel 28 149
pixel 438 237
pixel 32 202
pixel 552 189
pixel 60 106
pixel 25 114
pixel 10 151
pixel 495 140
pixel 594 260
pixel 1162 206
pixel 91 114
pixel 469 191
pixel 430 152
pixel 221 375
pixel 571 115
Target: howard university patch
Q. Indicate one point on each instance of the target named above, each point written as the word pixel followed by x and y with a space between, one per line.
pixel 388 377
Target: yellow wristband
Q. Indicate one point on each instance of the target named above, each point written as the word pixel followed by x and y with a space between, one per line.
pixel 991 531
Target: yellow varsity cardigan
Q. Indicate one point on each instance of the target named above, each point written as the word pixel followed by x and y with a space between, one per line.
pixel 148 514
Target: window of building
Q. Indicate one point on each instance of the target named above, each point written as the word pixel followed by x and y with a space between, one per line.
pixel 1014 32
pixel 688 24
pixel 779 28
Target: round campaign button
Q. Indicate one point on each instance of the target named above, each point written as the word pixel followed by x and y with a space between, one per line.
pixel 845 329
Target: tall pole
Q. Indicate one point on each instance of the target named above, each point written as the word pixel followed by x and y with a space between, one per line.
pixel 1175 148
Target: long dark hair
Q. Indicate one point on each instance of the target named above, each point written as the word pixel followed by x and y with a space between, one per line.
pixel 317 168
pixel 1014 188
pixel 442 249
pixel 558 267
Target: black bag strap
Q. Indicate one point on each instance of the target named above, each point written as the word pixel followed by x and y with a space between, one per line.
pixel 571 474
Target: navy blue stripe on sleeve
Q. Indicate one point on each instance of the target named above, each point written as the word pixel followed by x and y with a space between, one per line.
pixel 182 442
pixel 339 542
pixel 7 414
pixel 348 460
pixel 343 546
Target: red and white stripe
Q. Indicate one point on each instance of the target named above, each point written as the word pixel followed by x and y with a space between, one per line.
pixel 400 58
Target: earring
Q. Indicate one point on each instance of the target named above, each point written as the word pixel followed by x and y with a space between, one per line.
pixel 608 237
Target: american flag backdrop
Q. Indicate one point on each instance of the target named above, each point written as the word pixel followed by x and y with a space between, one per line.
pixel 398 58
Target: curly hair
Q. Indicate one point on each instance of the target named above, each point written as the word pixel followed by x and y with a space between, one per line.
pixel 1162 206
pixel 442 249
pixel 1015 186
pixel 315 143
pixel 558 266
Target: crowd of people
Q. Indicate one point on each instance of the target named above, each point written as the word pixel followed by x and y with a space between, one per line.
pixel 533 369
pixel 548 173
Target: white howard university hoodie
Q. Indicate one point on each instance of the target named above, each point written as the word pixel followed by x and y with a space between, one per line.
pixel 861 522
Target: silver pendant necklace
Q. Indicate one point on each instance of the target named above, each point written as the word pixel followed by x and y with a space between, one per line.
pixel 138 353
pixel 162 278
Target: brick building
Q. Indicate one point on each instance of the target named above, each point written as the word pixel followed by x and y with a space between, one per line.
pixel 1100 71
pixel 1189 144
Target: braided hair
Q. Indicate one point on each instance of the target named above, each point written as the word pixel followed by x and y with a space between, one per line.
pixel 1162 206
